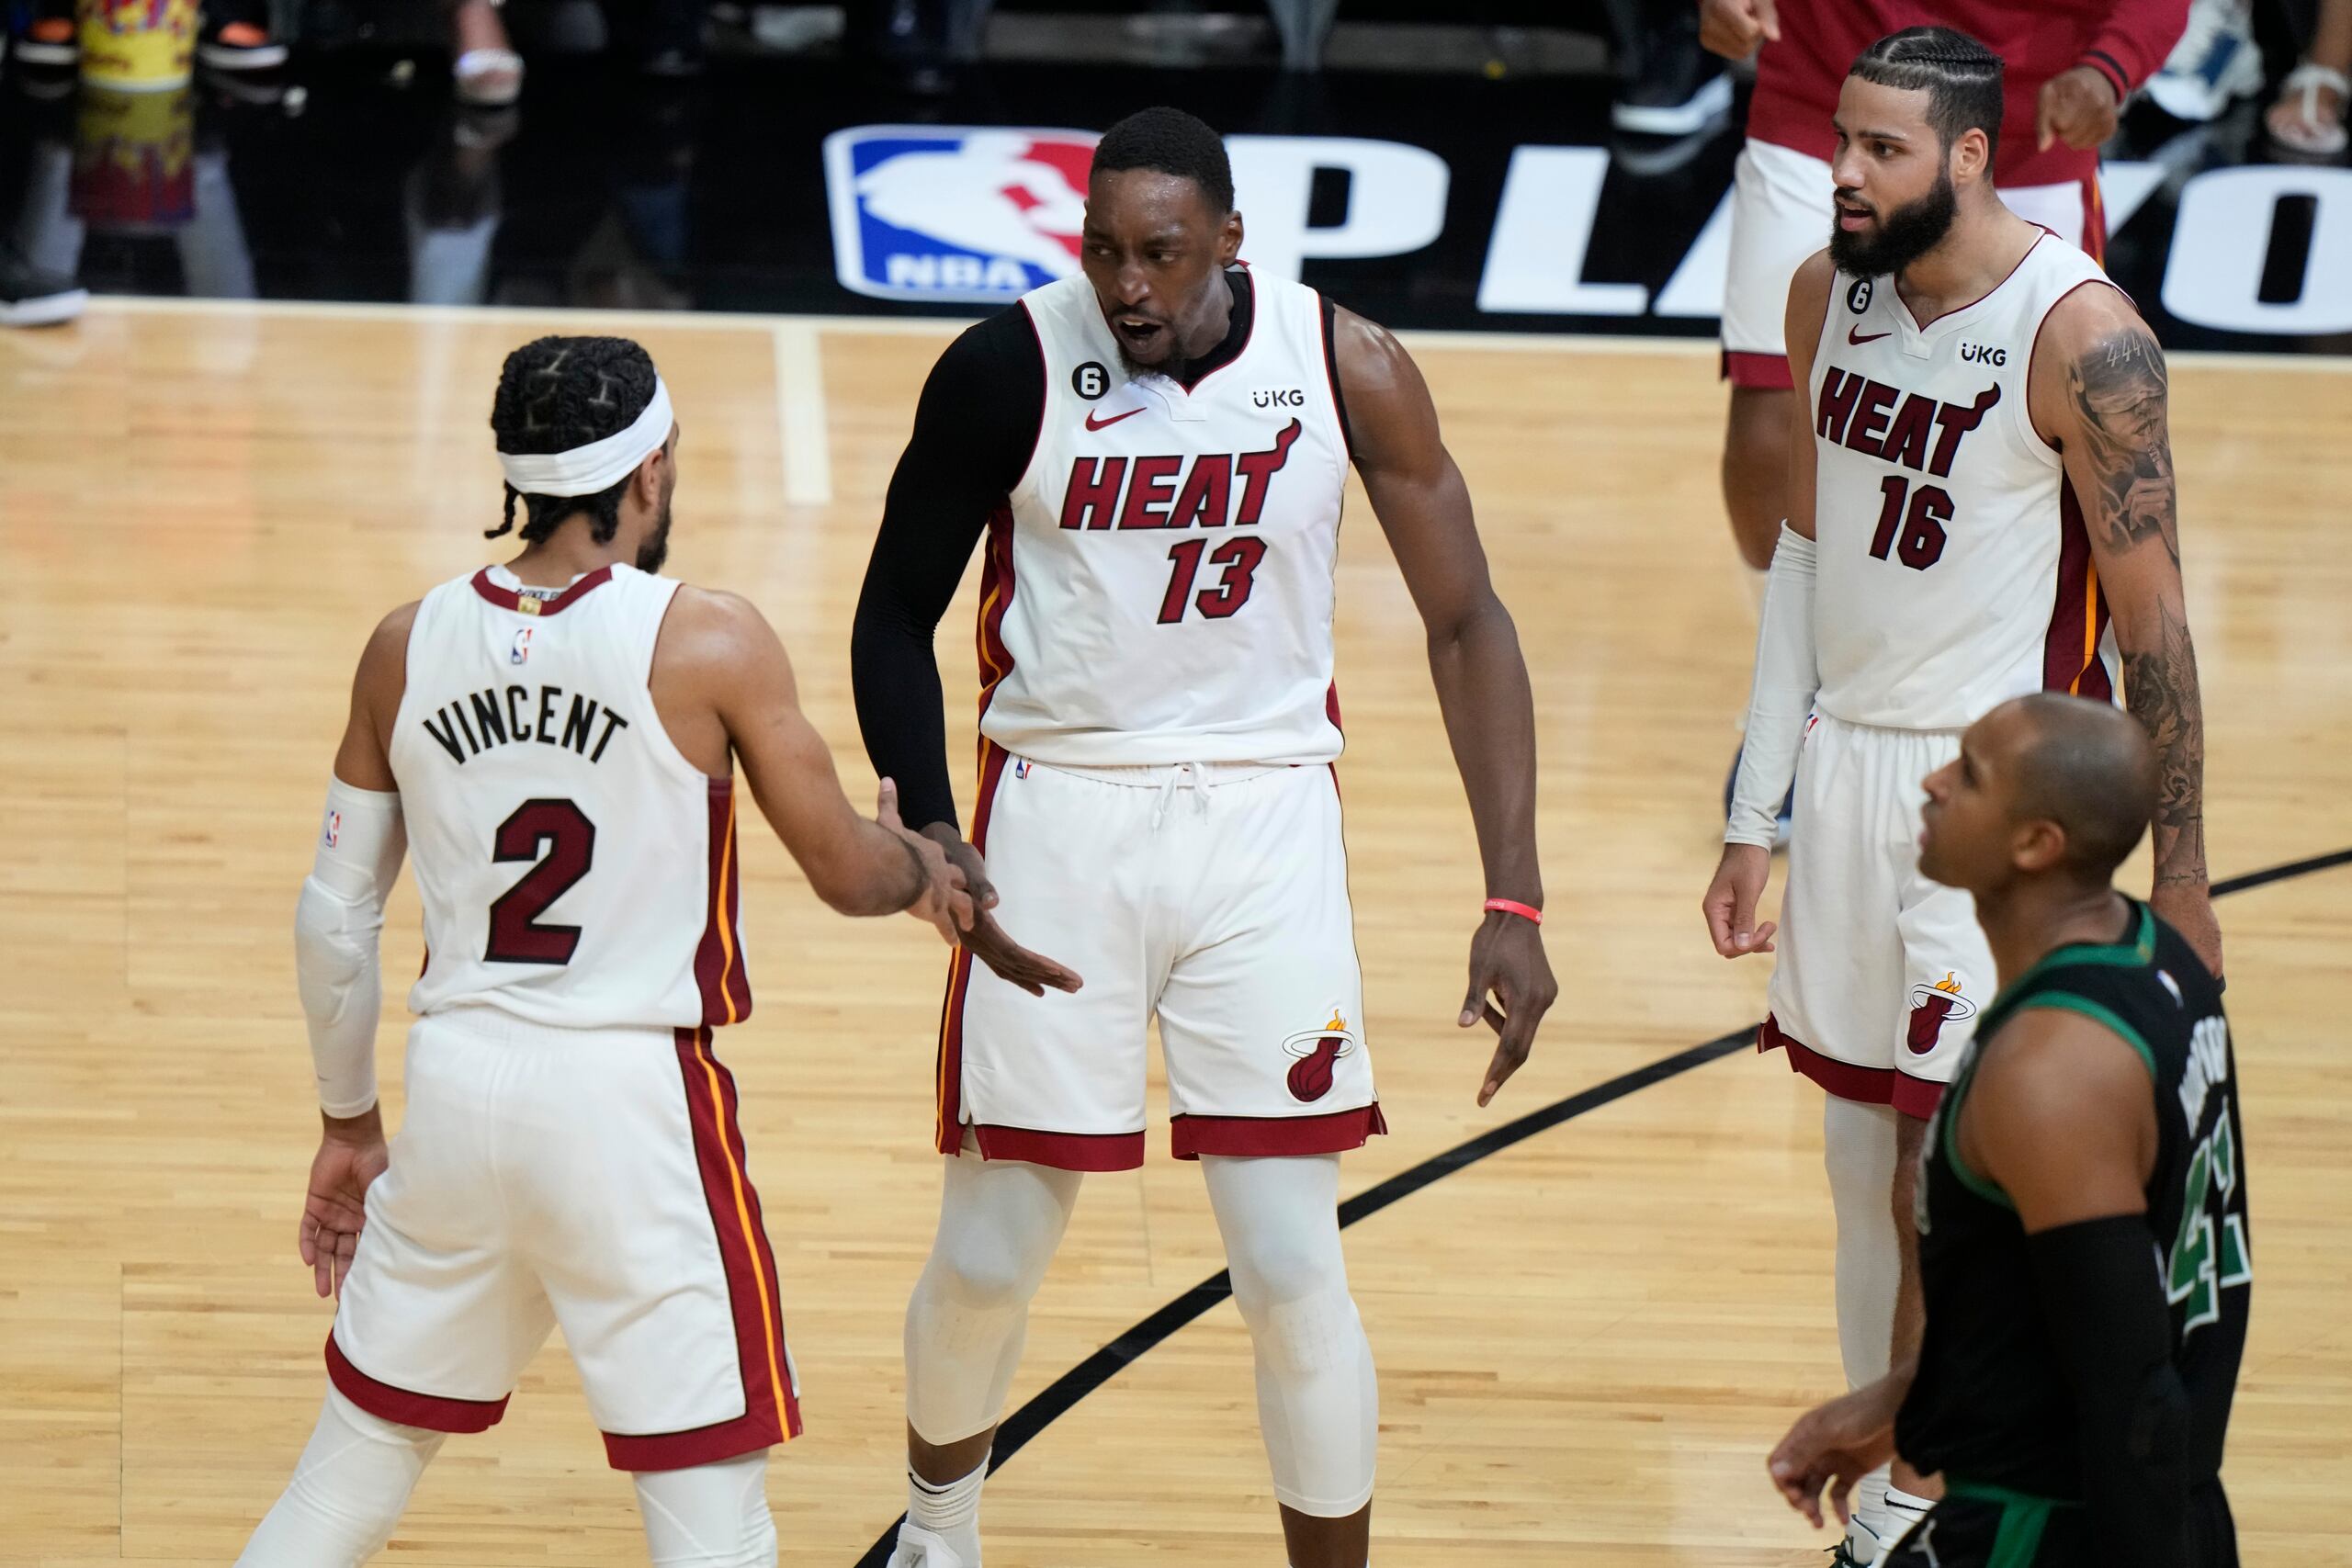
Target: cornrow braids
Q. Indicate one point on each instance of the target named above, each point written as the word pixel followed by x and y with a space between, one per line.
pixel 1960 75
pixel 556 393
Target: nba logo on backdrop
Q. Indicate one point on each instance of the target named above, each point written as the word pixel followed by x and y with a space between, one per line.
pixel 954 212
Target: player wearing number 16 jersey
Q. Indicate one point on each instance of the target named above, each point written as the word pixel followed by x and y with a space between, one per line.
pixel 556 741
pixel 1982 506
pixel 1156 451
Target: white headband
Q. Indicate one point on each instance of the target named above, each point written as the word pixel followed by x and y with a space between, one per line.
pixel 600 464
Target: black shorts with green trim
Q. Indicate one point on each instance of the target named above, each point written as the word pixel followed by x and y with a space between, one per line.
pixel 1991 1526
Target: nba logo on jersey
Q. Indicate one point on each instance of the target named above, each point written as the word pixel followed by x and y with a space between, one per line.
pixel 954 212
pixel 521 651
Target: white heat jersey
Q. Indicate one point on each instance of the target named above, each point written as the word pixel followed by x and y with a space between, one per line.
pixel 576 869
pixel 1158 588
pixel 1955 572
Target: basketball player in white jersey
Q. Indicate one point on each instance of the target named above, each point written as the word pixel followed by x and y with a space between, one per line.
pixel 556 741
pixel 1981 507
pixel 1156 451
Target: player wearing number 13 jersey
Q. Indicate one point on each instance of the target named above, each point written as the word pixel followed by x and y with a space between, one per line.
pixel 1156 451
pixel 1981 507
pixel 556 741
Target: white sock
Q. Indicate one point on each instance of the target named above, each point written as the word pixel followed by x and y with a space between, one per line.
pixel 1904 1512
pixel 951 1511
pixel 1871 1528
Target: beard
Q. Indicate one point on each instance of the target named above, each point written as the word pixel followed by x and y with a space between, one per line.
pixel 656 548
pixel 1176 367
pixel 1902 236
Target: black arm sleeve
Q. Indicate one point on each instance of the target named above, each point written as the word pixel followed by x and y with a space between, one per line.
pixel 975 428
pixel 2105 1304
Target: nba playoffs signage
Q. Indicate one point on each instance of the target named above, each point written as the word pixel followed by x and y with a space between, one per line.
pixel 980 214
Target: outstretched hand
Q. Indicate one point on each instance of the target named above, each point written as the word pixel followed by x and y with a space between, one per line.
pixel 1507 960
pixel 351 1157
pixel 1033 972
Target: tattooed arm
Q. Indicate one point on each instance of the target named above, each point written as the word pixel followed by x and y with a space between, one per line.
pixel 2099 395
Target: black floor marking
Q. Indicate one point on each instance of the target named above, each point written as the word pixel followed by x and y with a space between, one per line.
pixel 1057 1397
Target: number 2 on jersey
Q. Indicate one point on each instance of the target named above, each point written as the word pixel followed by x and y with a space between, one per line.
pixel 1921 525
pixel 1238 556
pixel 562 833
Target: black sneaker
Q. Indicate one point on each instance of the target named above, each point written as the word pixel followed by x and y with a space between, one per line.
pixel 1672 86
pixel 34 296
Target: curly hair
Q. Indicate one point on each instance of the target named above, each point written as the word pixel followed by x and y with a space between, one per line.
pixel 557 393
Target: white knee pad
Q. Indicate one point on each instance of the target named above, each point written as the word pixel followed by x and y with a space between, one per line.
pixel 1318 1399
pixel 713 1516
pixel 999 1223
pixel 353 1481
pixel 1858 1145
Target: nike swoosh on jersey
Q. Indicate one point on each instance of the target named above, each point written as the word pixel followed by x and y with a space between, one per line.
pixel 1856 336
pixel 1091 423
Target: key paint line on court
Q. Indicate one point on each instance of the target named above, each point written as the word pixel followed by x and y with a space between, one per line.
pixel 1058 1397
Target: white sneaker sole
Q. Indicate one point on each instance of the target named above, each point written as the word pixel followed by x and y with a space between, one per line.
pixel 46 311
pixel 1704 106
pixel 31 53
pixel 268 56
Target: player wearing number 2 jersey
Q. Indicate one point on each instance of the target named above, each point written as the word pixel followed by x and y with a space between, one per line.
pixel 1155 452
pixel 1981 507
pixel 556 739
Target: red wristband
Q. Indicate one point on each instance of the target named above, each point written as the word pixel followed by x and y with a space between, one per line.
pixel 1512 906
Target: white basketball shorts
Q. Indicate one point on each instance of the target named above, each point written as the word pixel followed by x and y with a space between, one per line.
pixel 1781 214
pixel 1882 972
pixel 1213 898
pixel 591 1178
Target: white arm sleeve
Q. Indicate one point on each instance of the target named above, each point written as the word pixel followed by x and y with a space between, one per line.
pixel 1781 698
pixel 337 923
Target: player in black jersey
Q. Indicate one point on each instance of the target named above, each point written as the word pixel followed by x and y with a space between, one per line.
pixel 2083 1240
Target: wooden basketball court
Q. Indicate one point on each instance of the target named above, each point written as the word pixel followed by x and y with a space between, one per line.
pixel 1587 1341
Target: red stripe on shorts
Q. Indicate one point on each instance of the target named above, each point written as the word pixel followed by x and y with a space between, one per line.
pixel 948 1135
pixel 406 1406
pixel 1764 372
pixel 771 1411
pixel 1334 1132
pixel 1866 1086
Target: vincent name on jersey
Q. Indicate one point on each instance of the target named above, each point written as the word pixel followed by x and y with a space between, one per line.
pixel 479 720
pixel 1154 498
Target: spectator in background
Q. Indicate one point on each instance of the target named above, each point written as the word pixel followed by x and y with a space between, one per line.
pixel 1666 84
pixel 234 36
pixel 2216 62
pixel 2307 119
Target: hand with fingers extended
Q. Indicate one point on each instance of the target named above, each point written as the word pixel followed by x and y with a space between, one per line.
pixel 1033 972
pixel 1507 961
pixel 1730 900
pixel 351 1157
pixel 1734 27
pixel 944 898
pixel 1836 1445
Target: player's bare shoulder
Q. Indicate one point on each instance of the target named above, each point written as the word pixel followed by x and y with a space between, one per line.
pixel 2097 367
pixel 1809 303
pixel 1390 415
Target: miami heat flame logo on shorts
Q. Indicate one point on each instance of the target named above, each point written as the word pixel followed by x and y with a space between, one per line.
pixel 1318 1051
pixel 1931 1006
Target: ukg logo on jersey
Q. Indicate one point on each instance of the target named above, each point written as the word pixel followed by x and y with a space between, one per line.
pixel 954 212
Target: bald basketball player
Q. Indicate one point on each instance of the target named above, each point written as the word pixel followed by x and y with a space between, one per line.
pixel 2074 1398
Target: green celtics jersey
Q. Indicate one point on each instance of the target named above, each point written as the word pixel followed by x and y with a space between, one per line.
pixel 1991 1403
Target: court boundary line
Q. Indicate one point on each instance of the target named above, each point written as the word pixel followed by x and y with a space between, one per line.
pixel 1501 341
pixel 1058 1397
